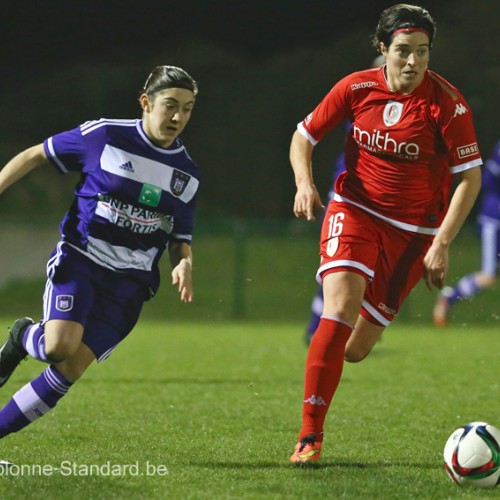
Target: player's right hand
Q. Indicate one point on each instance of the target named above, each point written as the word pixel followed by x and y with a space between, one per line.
pixel 307 202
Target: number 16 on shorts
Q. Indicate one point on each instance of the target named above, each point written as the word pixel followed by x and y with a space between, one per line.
pixel 335 228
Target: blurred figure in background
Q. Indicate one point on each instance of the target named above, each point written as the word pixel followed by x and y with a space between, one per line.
pixel 317 302
pixel 489 226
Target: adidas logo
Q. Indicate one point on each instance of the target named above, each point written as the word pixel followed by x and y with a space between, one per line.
pixel 460 110
pixel 315 400
pixel 127 166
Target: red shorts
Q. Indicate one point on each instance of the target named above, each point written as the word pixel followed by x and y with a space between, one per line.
pixel 390 258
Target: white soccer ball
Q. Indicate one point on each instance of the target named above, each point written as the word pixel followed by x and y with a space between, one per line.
pixel 472 455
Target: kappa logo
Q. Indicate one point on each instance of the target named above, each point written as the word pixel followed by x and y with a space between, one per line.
pixel 127 166
pixel 386 309
pixel 363 85
pixel 315 400
pixel 460 109
pixel 64 302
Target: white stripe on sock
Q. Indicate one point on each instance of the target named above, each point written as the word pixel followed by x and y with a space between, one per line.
pixel 54 382
pixel 30 403
pixel 35 351
pixel 30 346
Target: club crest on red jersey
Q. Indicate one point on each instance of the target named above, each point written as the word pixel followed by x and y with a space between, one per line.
pixel 392 113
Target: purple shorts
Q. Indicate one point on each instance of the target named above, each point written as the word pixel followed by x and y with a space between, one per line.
pixel 105 302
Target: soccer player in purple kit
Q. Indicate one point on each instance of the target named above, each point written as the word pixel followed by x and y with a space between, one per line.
pixel 135 198
pixel 488 219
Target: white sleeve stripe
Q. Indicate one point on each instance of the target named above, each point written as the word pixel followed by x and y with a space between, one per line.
pixel 177 236
pixel 92 125
pixel 53 155
pixel 302 131
pixel 466 166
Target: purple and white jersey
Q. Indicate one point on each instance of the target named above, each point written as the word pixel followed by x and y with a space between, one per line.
pixel 490 193
pixel 132 196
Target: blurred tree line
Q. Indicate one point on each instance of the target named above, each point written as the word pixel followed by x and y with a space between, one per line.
pixel 246 112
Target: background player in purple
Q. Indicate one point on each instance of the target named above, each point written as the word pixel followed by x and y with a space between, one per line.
pixel 135 198
pixel 489 226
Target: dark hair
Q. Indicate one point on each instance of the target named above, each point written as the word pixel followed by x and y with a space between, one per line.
pixel 168 77
pixel 400 16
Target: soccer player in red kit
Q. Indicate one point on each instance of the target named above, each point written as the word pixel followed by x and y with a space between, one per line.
pixel 391 221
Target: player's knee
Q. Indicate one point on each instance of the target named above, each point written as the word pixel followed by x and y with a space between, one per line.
pixel 62 339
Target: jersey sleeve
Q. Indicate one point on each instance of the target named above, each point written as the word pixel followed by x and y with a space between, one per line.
pixel 457 130
pixel 66 151
pixel 332 110
pixel 184 223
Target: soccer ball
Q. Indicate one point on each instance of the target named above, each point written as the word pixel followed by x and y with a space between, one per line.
pixel 472 455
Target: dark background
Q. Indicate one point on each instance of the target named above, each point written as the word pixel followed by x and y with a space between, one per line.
pixel 261 67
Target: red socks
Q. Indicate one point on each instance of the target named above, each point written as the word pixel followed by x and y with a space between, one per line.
pixel 324 364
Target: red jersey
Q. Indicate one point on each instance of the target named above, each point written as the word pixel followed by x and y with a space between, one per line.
pixel 401 149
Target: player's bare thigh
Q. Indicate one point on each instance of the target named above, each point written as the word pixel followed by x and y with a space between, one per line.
pixel 343 292
pixel 364 336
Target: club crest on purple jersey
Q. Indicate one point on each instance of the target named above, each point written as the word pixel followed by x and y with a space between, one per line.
pixel 179 182
pixel 64 302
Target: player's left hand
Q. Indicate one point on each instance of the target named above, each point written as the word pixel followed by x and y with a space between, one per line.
pixel 181 276
pixel 436 265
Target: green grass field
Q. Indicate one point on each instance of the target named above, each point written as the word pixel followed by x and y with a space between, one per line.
pixel 197 410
